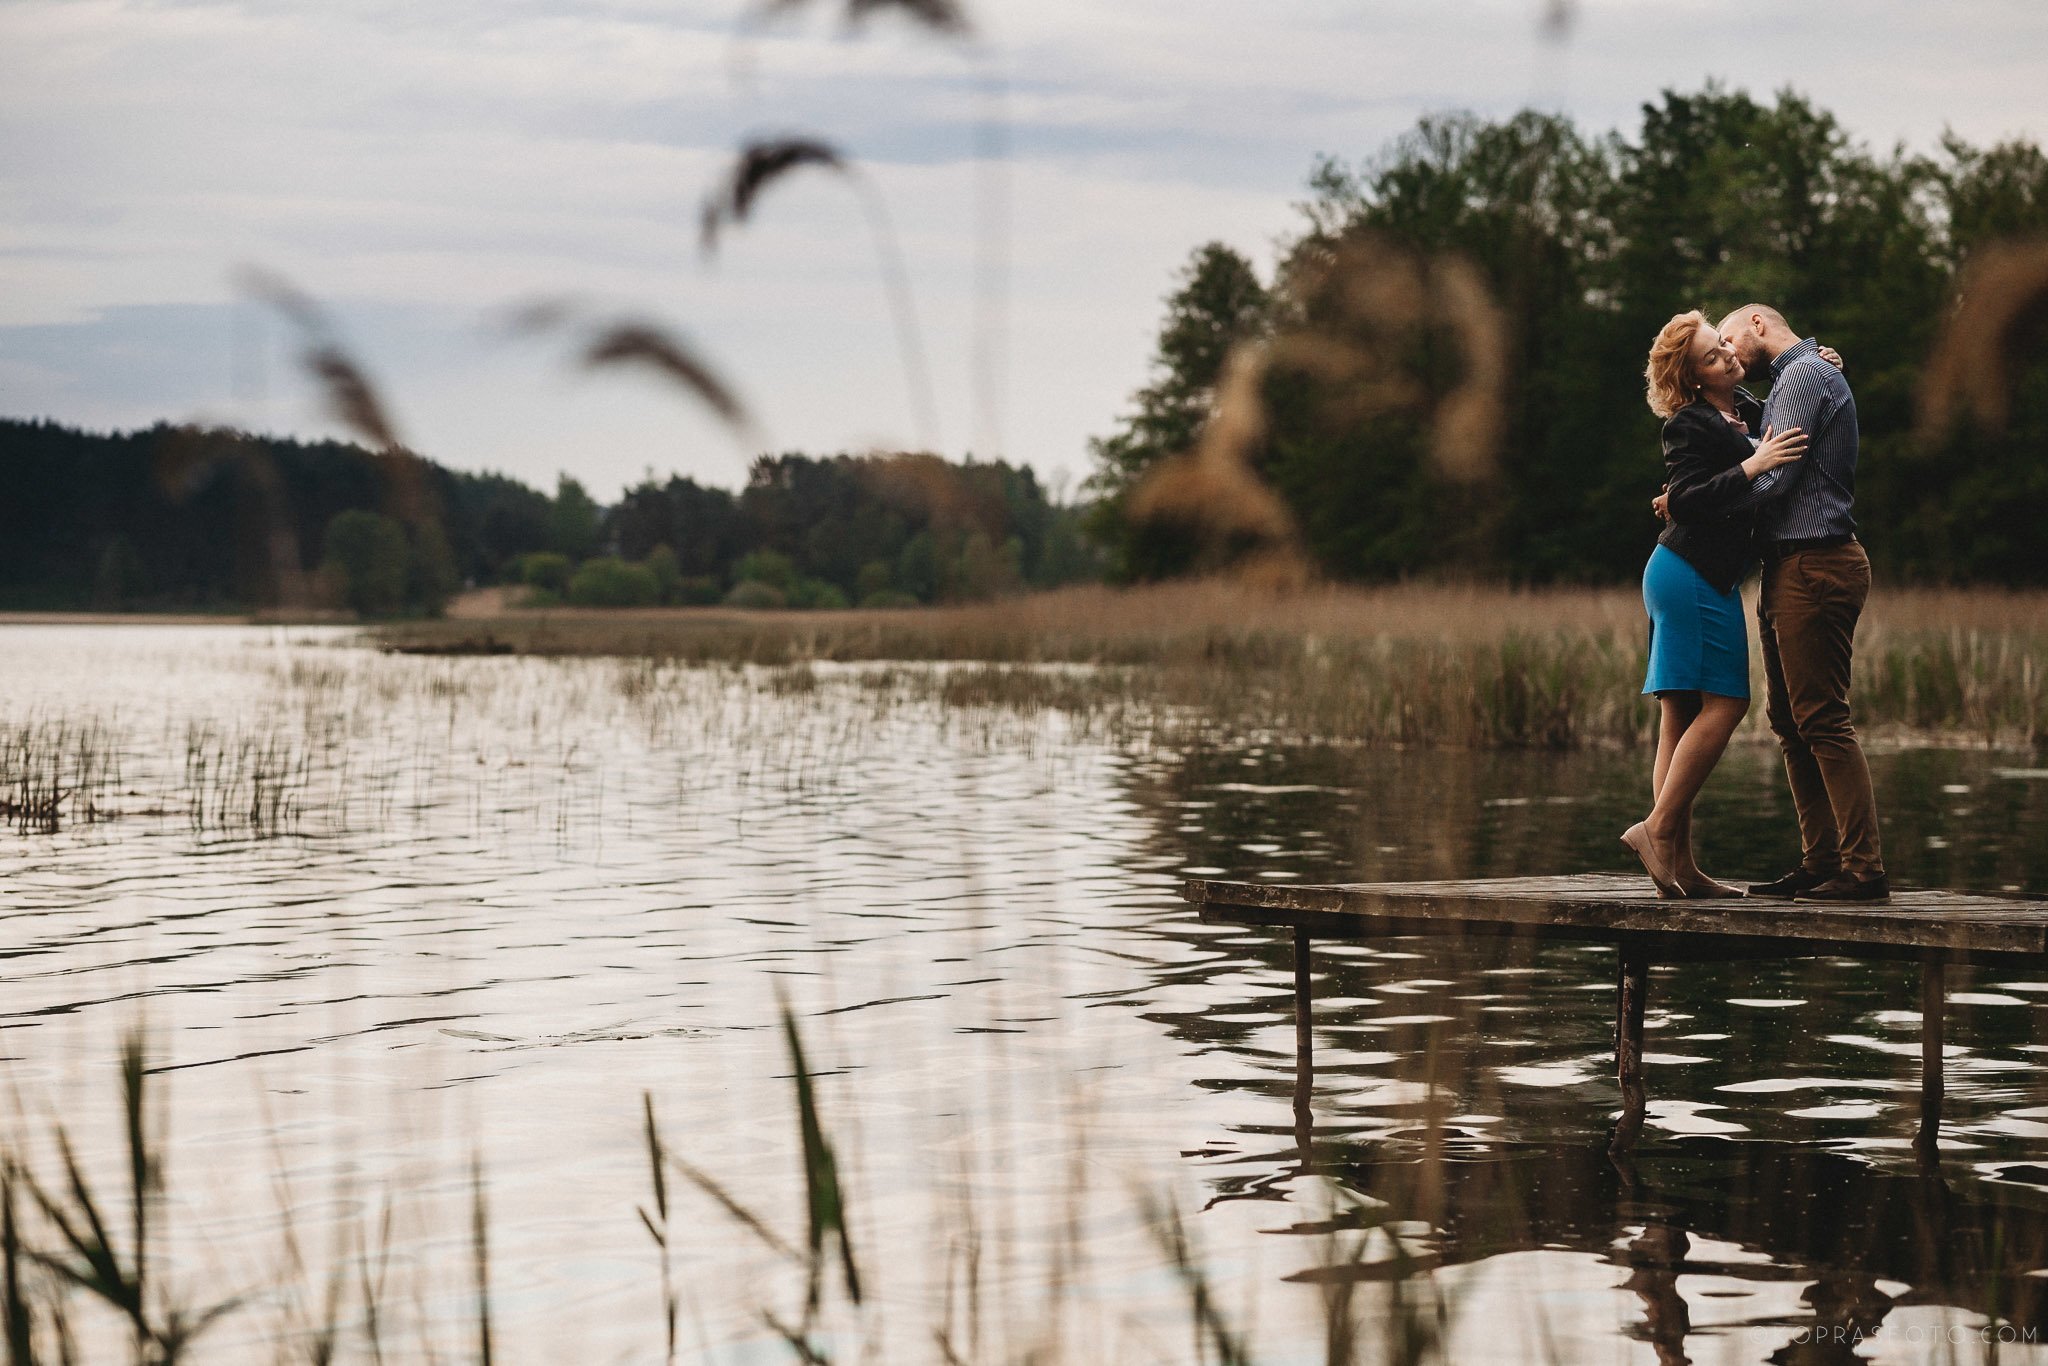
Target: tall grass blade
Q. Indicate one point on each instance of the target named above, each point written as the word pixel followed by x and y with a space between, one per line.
pixel 821 1172
pixel 20 1314
pixel 798 1339
pixel 657 1223
pixel 90 1259
pixel 370 1285
pixel 480 1253
pixel 142 1167
pixel 97 1269
pixel 1210 1325
pixel 741 1215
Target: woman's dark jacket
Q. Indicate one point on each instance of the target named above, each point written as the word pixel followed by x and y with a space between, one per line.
pixel 1711 513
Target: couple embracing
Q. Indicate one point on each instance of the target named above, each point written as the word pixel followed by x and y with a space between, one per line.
pixel 1747 482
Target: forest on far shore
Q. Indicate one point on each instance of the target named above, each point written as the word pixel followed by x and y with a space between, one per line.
pixel 183 517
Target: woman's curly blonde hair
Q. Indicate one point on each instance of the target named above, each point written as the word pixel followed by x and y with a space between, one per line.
pixel 1669 373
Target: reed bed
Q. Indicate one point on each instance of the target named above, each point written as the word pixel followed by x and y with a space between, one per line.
pixel 1180 621
pixel 364 741
pixel 238 779
pixel 794 700
pixel 1471 666
pixel 53 770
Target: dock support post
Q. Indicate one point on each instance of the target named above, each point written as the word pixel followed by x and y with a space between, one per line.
pixel 1632 989
pixel 1304 1049
pixel 1933 1004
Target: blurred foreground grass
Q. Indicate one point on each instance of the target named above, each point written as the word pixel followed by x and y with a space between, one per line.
pixel 90 1272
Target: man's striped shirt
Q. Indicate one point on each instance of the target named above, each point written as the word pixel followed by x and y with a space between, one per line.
pixel 1811 497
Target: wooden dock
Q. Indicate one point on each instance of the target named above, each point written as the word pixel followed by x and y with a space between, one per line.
pixel 1932 928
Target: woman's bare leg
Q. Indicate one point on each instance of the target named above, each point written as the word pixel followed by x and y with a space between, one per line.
pixel 1677 711
pixel 1693 758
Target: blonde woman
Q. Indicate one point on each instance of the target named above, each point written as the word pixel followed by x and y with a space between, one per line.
pixel 1699 643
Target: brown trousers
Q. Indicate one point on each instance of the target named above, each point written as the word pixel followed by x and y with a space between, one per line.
pixel 1806 623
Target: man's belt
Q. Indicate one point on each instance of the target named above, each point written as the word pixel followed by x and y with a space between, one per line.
pixel 1778 550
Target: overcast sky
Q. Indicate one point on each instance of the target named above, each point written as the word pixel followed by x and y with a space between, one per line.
pixel 423 166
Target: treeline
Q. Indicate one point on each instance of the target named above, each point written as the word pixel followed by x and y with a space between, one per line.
pixel 1587 245
pixel 845 530
pixel 212 519
pixel 202 518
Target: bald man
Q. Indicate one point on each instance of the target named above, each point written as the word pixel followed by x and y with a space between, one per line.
pixel 1815 580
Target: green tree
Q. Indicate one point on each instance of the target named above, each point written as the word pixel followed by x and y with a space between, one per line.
pixel 917 567
pixel 667 570
pixel 573 520
pixel 756 596
pixel 987 570
pixel 1064 555
pixel 1526 201
pixel 430 574
pixel 608 581
pixel 491 521
pixel 547 571
pixel 816 595
pixel 120 577
pixel 1218 302
pixel 367 555
pixel 1992 192
pixel 874 577
pixel 771 567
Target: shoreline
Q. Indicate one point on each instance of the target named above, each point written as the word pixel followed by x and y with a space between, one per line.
pixel 139 619
pixel 182 619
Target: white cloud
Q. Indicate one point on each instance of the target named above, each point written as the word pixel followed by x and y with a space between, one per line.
pixel 420 164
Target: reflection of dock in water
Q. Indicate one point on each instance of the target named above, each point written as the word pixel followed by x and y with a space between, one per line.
pixel 1841 1224
pixel 1853 1231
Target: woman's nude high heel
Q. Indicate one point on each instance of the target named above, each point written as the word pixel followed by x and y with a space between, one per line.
pixel 1637 837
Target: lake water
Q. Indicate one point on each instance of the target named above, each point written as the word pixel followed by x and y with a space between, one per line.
pixel 383 918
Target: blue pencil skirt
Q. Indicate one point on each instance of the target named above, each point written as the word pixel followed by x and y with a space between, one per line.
pixel 1699 641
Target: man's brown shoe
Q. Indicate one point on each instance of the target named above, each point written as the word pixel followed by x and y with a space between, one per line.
pixel 1846 888
pixel 1792 884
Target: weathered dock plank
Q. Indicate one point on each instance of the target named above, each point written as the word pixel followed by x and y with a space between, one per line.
pixel 1612 907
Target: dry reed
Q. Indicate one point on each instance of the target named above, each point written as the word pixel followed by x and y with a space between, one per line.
pixel 2004 292
pixel 763 161
pixel 52 771
pixel 759 165
pixel 642 343
pixel 1214 486
pixel 244 781
pixel 941 16
pixel 1408 665
pixel 1353 313
pixel 353 399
